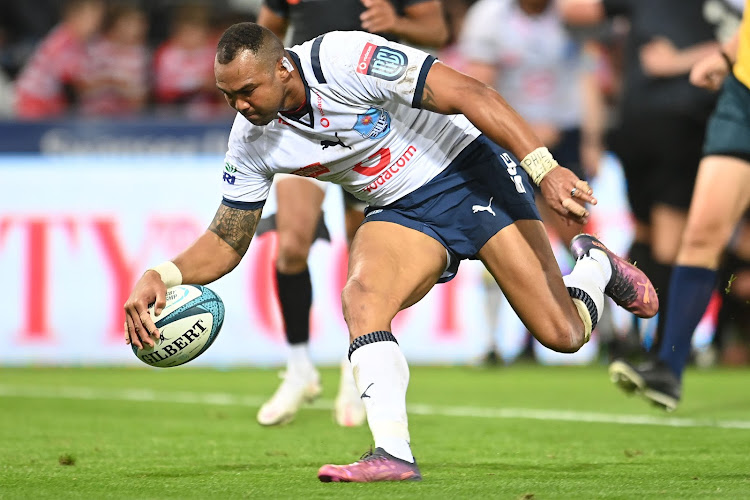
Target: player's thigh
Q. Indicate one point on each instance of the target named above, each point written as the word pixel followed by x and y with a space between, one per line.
pixel 390 268
pixel 520 259
pixel 352 219
pixel 299 208
pixel 721 196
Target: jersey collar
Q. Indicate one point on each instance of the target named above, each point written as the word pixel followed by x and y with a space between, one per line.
pixel 305 115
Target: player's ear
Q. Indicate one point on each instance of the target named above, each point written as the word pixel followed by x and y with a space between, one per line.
pixel 286 64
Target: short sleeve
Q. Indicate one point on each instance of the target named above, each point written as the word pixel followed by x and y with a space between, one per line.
pixel 478 41
pixel 245 182
pixel 372 69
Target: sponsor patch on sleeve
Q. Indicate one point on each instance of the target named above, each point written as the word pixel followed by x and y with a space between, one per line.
pixel 382 62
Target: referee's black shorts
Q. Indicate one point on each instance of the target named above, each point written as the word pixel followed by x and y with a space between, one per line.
pixel 660 157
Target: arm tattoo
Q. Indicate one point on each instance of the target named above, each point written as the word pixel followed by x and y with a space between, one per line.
pixel 428 99
pixel 235 226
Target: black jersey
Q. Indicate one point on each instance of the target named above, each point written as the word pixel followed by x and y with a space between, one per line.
pixel 683 22
pixel 310 18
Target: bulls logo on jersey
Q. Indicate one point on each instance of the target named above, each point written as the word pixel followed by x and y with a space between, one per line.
pixel 374 124
pixel 382 62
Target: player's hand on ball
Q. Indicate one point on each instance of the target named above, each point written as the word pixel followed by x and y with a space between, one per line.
pixel 139 327
pixel 567 195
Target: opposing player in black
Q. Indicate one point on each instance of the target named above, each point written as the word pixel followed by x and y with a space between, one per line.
pixel 416 22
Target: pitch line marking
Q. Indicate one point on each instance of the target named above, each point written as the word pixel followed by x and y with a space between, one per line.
pixel 226 399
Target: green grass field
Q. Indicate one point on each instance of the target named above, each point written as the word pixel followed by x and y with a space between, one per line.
pixel 516 432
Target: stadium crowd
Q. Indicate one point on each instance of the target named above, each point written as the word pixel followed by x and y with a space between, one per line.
pixel 107 58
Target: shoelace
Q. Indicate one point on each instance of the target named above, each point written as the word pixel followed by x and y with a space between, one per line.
pixel 369 455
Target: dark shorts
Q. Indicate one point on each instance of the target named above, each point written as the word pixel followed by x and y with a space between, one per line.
pixel 728 131
pixel 660 157
pixel 466 204
pixel 567 152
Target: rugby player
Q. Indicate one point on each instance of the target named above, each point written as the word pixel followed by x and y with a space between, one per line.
pixel 445 166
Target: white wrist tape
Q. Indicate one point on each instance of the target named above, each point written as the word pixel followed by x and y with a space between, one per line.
pixel 169 272
pixel 538 163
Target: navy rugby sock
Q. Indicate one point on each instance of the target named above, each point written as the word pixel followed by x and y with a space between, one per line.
pixel 691 289
pixel 295 298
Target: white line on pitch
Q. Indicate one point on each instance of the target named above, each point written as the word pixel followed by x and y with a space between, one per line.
pixel 225 399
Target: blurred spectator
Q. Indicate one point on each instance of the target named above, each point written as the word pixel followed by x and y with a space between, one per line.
pixel 184 65
pixel 116 78
pixel 455 13
pixel 550 80
pixel 22 25
pixel 50 81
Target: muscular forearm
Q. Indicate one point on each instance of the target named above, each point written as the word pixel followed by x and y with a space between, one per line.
pixel 419 32
pixel 691 55
pixel 221 247
pixel 206 260
pixel 678 63
pixel 449 92
pixel 501 123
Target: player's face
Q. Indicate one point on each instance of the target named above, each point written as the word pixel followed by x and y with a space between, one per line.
pixel 251 86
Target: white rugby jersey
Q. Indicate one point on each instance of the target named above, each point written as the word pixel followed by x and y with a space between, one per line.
pixel 362 128
pixel 539 65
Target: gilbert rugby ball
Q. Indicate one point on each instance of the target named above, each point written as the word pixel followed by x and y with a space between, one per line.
pixel 188 325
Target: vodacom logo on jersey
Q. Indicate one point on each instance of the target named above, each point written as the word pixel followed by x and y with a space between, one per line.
pixel 319 104
pixel 383 168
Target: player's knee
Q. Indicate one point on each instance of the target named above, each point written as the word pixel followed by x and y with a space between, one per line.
pixel 365 308
pixel 292 253
pixel 562 336
pixel 706 235
pixel 354 299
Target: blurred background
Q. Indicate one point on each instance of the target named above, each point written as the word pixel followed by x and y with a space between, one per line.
pixel 112 136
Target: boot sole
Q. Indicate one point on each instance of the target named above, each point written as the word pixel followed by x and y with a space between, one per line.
pixel 627 379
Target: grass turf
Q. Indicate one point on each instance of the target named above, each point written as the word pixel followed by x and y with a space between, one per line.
pixel 191 433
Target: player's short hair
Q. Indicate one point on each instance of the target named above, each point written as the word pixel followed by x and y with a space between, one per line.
pixel 248 36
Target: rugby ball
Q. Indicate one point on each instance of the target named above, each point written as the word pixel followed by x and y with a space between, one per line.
pixel 188 325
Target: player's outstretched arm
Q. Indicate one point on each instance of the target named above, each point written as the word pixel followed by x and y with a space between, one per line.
pixel 449 92
pixel 214 254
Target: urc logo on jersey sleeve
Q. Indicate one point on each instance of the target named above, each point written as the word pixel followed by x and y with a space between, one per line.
pixel 229 171
pixel 382 62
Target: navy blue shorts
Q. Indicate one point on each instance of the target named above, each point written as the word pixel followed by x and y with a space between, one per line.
pixel 482 191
